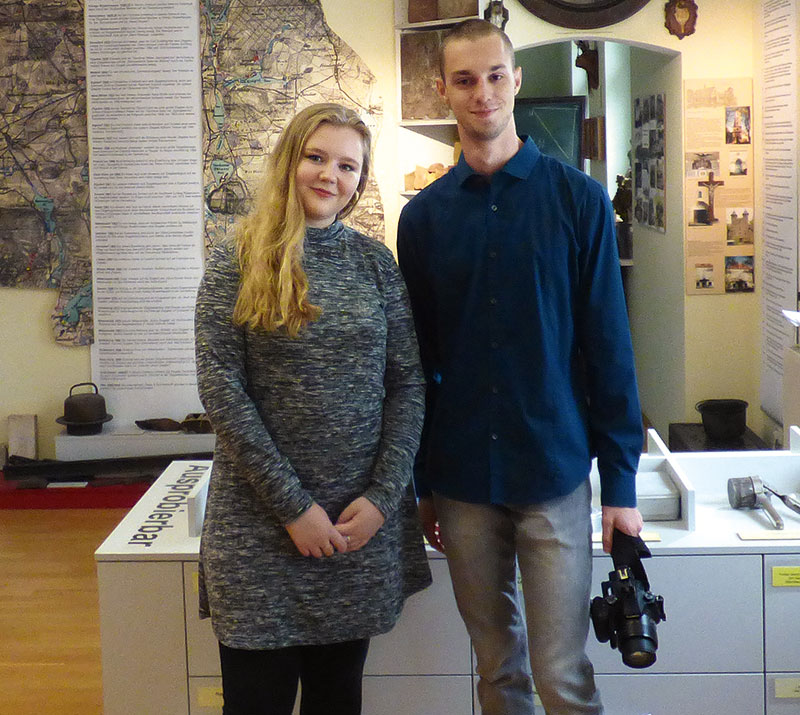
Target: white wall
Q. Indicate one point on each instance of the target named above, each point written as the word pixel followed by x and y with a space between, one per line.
pixel 656 287
pixel 617 87
pixel 35 373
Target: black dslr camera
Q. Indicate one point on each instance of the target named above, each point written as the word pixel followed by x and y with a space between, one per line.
pixel 627 612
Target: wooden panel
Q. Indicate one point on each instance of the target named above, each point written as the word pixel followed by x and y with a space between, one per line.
pixel 22 431
pixel 49 631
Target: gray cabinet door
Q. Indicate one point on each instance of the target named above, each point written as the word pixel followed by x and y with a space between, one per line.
pixel 714 615
pixel 741 694
pixel 782 613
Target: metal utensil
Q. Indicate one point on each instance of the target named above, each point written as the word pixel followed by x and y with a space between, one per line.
pixel 791 500
pixel 749 493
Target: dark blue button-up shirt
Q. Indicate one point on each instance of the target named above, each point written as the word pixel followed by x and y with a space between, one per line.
pixel 517 297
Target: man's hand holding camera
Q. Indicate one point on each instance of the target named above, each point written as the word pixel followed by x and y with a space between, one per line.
pixel 627 519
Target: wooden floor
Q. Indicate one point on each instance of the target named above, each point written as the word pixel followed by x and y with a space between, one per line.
pixel 49 631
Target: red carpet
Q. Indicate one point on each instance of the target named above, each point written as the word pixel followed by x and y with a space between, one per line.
pixel 93 496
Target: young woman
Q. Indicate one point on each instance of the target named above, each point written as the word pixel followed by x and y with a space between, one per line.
pixel 308 368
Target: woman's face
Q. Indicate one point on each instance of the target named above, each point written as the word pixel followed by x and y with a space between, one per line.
pixel 328 172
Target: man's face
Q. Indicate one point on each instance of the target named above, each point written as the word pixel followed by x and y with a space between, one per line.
pixel 479 85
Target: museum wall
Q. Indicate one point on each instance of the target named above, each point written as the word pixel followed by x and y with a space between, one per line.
pixel 656 289
pixel 715 352
pixel 37 373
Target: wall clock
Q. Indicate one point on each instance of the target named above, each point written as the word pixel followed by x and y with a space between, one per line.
pixel 583 14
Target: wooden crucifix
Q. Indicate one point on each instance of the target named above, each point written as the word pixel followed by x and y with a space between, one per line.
pixel 711 185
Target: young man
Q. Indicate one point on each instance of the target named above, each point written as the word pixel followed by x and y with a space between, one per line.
pixel 512 268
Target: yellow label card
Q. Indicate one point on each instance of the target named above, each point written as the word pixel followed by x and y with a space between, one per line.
pixel 787 688
pixel 212 697
pixel 786 575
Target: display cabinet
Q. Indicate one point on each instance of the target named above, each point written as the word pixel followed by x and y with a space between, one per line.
pixel 159 657
pixel 730 582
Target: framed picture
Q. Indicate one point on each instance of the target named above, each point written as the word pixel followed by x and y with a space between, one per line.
pixel 555 124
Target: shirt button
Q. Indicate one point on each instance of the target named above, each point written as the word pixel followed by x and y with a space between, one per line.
pixel 494 436
pixel 494 207
pixel 494 389
pixel 494 344
pixel 492 301
pixel 492 254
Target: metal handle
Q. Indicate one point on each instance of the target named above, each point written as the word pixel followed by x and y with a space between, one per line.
pixel 764 502
pixel 81 384
pixel 792 501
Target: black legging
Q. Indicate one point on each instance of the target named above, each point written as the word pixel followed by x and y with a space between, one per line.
pixel 264 682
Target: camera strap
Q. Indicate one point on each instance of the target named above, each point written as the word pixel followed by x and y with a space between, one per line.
pixel 628 551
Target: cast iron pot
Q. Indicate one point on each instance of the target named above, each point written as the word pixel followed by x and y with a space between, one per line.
pixel 84 413
pixel 723 419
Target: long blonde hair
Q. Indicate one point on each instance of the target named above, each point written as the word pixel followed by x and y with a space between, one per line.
pixel 269 240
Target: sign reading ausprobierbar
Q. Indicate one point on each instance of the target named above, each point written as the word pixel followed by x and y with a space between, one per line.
pixel 157 528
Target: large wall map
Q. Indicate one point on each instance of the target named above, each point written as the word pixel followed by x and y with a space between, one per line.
pixel 44 189
pixel 262 60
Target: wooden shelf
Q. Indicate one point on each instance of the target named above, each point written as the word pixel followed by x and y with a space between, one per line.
pixel 434 24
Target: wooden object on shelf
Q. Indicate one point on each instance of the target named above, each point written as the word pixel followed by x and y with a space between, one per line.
pixel 422 177
pixel 593 141
pixel 22 431
pixel 419 68
pixel 457 8
pixel 432 10
pixel 423 10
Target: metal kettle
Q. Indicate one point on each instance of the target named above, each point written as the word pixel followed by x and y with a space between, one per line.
pixel 84 413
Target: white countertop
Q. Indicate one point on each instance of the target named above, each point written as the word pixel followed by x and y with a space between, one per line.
pixel 165 524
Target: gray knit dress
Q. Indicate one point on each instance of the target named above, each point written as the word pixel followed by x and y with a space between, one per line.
pixel 326 417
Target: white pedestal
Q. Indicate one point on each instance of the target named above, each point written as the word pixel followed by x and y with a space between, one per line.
pixel 130 442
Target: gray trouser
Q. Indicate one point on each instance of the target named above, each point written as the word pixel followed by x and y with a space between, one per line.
pixel 552 544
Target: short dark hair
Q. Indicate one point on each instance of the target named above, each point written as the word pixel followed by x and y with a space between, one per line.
pixel 473 29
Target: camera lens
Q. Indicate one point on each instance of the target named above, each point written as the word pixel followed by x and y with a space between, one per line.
pixel 638 642
pixel 638 652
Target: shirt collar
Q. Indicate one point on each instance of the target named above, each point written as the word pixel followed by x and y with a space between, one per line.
pixel 519 166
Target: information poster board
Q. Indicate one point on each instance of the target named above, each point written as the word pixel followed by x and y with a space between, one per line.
pixel 719 200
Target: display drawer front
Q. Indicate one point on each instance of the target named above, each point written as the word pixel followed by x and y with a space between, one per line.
pixel 429 638
pixel 718 694
pixel 202 646
pixel 714 615
pixel 417 694
pixel 383 695
pixel 781 609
